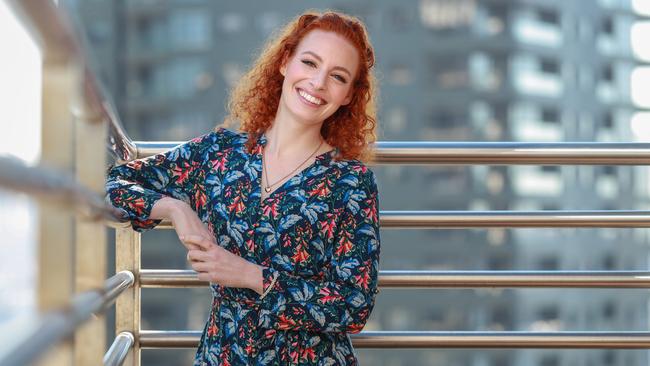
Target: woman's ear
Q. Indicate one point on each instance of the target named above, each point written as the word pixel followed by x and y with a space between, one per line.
pixel 348 98
pixel 283 66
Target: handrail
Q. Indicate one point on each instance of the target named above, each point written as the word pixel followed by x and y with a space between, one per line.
pixel 157 278
pixel 511 153
pixel 522 219
pixel 511 219
pixel 440 339
pixel 116 354
pixel 53 29
pixel 40 334
pixel 50 184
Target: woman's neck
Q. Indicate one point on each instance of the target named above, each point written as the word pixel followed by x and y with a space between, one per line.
pixel 286 139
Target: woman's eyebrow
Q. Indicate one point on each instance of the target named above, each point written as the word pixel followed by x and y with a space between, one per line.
pixel 321 60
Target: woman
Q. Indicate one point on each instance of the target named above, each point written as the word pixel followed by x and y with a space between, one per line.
pixel 291 246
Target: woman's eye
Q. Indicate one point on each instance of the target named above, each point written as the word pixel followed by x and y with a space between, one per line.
pixel 340 78
pixel 308 63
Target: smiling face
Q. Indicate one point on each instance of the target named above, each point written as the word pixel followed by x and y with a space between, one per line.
pixel 318 77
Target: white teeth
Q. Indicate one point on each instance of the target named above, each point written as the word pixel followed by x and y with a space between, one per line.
pixel 310 98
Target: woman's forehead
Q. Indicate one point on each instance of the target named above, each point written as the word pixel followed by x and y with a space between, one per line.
pixel 330 47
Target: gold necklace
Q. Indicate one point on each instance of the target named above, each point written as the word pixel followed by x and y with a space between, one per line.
pixel 268 186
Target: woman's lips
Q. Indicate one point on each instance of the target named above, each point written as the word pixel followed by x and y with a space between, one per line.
pixel 303 95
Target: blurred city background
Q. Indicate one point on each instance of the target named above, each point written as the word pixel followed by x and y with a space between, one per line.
pixel 449 70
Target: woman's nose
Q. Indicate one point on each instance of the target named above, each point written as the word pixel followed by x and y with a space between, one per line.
pixel 318 80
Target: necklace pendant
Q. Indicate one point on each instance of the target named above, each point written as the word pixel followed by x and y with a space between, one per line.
pixel 267 189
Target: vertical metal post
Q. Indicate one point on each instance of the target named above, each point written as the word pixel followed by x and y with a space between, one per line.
pixel 90 338
pixel 56 230
pixel 127 307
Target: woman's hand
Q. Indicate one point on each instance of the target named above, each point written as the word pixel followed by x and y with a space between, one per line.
pixel 216 264
pixel 185 221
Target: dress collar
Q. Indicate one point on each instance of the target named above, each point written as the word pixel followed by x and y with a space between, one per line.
pixel 323 158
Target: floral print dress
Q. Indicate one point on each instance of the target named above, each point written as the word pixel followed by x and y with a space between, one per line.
pixel 317 234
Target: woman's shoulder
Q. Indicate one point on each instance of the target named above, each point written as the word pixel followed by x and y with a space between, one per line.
pixel 228 136
pixel 355 173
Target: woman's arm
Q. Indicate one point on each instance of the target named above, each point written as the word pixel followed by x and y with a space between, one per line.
pixel 136 187
pixel 183 218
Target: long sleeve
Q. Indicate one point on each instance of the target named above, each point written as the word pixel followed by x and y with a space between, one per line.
pixel 343 301
pixel 134 187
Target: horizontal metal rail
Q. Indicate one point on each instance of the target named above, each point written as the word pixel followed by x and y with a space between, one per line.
pixel 153 278
pixel 55 186
pixel 497 153
pixel 522 219
pixel 116 354
pixel 435 339
pixel 39 335
pixel 468 219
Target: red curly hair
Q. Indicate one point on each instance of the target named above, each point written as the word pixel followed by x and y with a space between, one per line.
pixel 254 101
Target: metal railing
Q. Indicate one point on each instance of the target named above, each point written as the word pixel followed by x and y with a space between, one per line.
pixel 495 153
pixel 436 339
pixel 152 278
pixel 509 219
pixel 476 153
pixel 116 354
pixel 43 333
pixel 53 187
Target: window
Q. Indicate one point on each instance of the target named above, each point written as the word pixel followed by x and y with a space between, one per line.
pixel 498 262
pixel 553 169
pixel 268 21
pixel 609 310
pixel 397 118
pixel 144 85
pixel 190 28
pixel 497 18
pixel 608 120
pixel 231 72
pixel 447 119
pixel 550 206
pixel 548 16
pixel 450 72
pixel 549 66
pixel 447 15
pixel 399 18
pixel 179 77
pixel 232 22
pixel 609 358
pixel 608 170
pixel 550 115
pixel 99 32
pixel 607 26
pixel 548 312
pixel 400 74
pixel 549 360
pixel 608 73
pixel 501 314
pixel 549 263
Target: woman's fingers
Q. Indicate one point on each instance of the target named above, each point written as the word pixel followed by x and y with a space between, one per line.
pixel 202 276
pixel 201 267
pixel 192 247
pixel 198 240
pixel 198 256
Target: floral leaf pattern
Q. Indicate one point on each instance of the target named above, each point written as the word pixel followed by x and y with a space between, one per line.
pixel 317 235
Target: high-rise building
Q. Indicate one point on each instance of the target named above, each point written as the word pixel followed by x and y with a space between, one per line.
pixel 450 70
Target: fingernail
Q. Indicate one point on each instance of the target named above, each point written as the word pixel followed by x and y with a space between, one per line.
pixel 182 237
